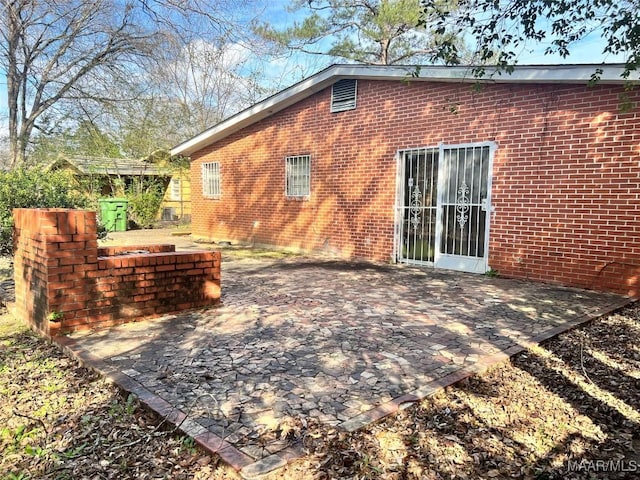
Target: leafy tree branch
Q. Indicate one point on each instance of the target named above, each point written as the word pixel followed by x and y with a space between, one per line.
pixel 503 28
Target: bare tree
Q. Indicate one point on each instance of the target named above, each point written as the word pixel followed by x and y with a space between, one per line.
pixel 189 86
pixel 57 52
pixel 52 50
pixel 207 80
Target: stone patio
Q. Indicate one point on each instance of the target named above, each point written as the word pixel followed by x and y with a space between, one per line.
pixel 344 342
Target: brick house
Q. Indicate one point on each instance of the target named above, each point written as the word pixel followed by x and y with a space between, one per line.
pixel 535 174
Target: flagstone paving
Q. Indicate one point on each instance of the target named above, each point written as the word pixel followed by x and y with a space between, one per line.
pixel 342 342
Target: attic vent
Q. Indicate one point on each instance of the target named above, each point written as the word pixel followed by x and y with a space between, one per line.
pixel 343 96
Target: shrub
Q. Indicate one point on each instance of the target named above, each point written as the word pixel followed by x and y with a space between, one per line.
pixel 145 197
pixel 33 188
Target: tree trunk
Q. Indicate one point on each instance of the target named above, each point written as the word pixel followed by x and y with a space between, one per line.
pixel 13 82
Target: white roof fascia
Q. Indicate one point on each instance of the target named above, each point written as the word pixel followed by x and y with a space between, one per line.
pixel 563 74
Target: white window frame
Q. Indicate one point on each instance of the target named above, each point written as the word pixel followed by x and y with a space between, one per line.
pixel 297 185
pixel 175 189
pixel 211 180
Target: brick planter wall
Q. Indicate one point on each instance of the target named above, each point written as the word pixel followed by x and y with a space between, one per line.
pixel 64 282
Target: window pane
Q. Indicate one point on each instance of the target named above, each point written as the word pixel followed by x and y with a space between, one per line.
pixel 175 189
pixel 298 176
pixel 211 179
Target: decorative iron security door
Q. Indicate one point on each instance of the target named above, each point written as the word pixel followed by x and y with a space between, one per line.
pixel 443 218
pixel 419 209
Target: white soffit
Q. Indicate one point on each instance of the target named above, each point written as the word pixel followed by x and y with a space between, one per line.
pixel 560 74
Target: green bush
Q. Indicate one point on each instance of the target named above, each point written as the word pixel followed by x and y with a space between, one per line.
pixel 145 197
pixel 33 188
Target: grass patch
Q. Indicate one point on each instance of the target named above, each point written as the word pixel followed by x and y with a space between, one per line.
pixel 241 253
pixel 10 328
pixel 183 226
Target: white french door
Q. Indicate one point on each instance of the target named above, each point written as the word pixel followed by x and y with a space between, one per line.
pixel 443 206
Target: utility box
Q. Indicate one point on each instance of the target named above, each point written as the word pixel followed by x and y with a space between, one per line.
pixel 113 213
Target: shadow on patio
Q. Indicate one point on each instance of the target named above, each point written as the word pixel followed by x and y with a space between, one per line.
pixel 338 343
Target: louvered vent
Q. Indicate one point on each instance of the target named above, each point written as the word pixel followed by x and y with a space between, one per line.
pixel 343 95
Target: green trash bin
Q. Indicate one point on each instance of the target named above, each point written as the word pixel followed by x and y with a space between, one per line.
pixel 113 213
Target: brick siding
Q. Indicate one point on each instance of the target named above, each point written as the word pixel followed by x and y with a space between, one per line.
pixel 566 175
pixel 60 270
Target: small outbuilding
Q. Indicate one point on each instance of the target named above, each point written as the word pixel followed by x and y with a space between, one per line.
pixel 533 174
pixel 105 176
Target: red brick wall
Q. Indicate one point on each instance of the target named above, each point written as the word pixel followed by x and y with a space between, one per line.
pixel 565 179
pixel 58 271
pixel 52 248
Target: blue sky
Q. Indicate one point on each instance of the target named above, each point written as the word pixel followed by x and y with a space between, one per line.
pixel 587 50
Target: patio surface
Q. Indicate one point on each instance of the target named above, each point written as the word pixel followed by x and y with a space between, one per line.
pixel 344 342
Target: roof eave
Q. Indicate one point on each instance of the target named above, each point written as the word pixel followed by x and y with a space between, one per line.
pixel 566 74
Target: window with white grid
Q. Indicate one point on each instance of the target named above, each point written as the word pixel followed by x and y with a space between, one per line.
pixel 298 176
pixel 211 180
pixel 175 192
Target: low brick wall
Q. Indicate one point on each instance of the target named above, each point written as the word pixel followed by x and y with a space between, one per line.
pixel 64 282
